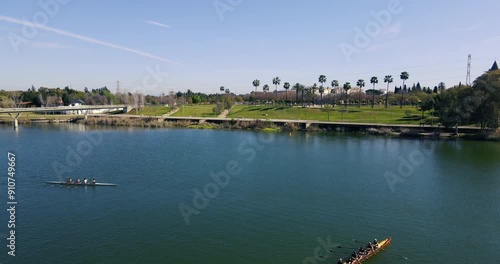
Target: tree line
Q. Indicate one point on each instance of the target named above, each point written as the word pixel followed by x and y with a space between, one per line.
pixel 458 105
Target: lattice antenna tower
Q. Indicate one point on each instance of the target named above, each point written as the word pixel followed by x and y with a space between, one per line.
pixel 469 65
pixel 118 90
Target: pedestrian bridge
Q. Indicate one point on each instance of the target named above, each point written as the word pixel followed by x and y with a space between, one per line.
pixel 16 112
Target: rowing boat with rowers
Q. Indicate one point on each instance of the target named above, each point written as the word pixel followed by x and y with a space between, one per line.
pixel 381 245
pixel 81 184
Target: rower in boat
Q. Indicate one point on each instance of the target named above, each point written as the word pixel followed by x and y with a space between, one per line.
pixel 354 257
pixel 369 247
pixel 69 181
pixel 340 261
pixel 78 181
pixel 375 243
pixel 85 181
pixel 361 251
pixel 93 181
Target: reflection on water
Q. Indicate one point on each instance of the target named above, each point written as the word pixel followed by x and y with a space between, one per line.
pixel 477 153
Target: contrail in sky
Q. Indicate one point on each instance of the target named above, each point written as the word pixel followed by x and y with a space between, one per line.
pixel 84 38
pixel 157 24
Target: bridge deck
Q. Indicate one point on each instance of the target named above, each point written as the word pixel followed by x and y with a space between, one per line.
pixel 58 109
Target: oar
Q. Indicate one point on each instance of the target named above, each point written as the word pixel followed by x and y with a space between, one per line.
pixel 394 253
pixel 347 247
pixel 359 242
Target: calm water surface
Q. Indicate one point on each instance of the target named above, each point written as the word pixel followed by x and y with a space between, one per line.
pixel 288 192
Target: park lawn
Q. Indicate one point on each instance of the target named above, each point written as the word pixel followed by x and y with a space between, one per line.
pixel 202 110
pixel 365 114
pixel 156 110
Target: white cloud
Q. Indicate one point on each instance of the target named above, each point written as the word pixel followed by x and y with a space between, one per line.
pixel 157 24
pixel 83 38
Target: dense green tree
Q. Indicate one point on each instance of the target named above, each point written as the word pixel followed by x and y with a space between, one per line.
pixel 196 99
pixel 426 105
pixel 487 97
pixel 452 110
pixel 441 87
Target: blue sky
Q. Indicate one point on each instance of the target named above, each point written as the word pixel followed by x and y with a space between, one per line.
pixel 159 46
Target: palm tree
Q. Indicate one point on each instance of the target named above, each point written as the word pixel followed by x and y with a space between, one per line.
pixel 321 91
pixel 387 79
pixel 360 84
pixel 347 87
pixel 404 76
pixel 276 81
pixel 296 87
pixel 222 89
pixel 256 84
pixel 335 84
pixel 373 80
pixel 265 88
pixel 286 85
pixel 322 79
pixel 302 89
pixel 313 90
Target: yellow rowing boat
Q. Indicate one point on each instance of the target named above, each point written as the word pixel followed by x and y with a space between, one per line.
pixel 381 245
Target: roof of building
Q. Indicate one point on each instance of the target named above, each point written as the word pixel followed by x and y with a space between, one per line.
pixel 78 101
pixel 494 67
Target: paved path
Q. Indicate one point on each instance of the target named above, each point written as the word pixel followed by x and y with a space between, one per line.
pixel 223 114
pixel 171 112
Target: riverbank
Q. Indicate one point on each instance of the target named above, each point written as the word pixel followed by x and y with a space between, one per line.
pixel 273 125
pixel 407 131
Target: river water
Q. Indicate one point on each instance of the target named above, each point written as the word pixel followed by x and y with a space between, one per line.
pixel 205 196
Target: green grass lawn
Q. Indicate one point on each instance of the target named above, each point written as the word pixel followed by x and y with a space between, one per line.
pixel 196 111
pixel 365 114
pixel 157 110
